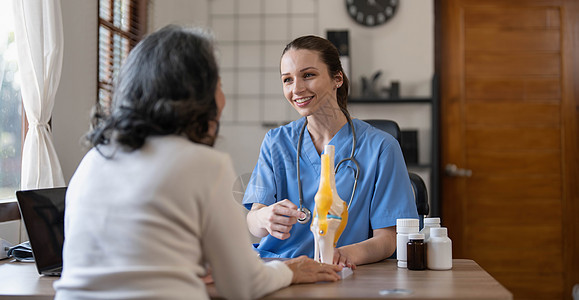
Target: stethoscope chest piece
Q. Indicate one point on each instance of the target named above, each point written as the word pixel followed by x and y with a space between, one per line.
pixel 308 214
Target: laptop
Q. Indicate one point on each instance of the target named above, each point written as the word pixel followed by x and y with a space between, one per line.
pixel 42 211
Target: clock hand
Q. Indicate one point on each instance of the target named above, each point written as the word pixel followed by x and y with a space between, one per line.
pixel 373 3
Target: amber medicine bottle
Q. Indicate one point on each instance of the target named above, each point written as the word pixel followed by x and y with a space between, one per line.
pixel 416 252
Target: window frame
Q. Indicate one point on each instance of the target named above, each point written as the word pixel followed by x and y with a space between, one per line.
pixel 137 28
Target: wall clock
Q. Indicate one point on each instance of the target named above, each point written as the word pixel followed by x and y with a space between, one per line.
pixel 371 13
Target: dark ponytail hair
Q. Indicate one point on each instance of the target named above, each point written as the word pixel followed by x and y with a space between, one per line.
pixel 166 86
pixel 330 56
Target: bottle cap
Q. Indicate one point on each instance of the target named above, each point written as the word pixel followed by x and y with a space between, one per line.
pixel 416 236
pixel 407 223
pixel 431 220
pixel 440 232
pixel 413 229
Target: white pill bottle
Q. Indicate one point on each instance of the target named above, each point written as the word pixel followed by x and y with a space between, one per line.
pixel 439 250
pixel 428 224
pixel 403 228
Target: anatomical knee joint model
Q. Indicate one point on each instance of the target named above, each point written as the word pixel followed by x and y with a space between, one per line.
pixel 330 213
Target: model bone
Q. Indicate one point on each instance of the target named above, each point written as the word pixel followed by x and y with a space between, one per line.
pixel 330 213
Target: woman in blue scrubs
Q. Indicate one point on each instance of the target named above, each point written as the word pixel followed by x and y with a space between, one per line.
pixel 315 84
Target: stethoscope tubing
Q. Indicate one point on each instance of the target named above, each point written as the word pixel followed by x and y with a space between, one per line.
pixel 304 209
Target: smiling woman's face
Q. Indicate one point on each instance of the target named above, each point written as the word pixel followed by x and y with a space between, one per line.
pixel 306 82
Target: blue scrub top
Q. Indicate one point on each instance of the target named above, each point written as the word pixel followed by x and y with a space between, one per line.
pixel 383 195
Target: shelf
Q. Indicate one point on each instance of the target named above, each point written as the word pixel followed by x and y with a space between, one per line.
pixel 386 100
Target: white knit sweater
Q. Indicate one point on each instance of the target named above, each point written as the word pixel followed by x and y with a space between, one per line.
pixel 144 224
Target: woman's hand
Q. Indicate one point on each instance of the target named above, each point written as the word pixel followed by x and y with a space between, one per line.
pixel 276 219
pixel 380 246
pixel 343 258
pixel 307 270
pixel 207 279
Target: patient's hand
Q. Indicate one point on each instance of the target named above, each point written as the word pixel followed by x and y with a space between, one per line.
pixel 307 270
pixel 207 279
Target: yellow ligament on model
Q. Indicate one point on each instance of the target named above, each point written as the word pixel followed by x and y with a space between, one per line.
pixel 339 208
pixel 343 223
pixel 324 197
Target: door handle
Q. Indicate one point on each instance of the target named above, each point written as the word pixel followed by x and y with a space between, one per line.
pixel 453 171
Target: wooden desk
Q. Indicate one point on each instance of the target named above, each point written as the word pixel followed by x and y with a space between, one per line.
pixel 22 281
pixel 467 280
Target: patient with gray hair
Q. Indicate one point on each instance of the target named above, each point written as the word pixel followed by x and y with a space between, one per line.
pixel 149 210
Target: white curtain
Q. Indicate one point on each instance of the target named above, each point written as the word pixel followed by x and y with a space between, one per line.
pixel 39 38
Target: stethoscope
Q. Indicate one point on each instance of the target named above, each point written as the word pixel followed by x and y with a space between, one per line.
pixel 304 209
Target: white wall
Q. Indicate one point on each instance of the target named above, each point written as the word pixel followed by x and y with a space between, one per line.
pixel 77 89
pixel 183 12
pixel 402 49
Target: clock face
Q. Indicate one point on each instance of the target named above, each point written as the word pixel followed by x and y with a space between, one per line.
pixel 371 12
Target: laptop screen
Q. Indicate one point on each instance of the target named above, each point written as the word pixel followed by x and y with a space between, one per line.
pixel 43 213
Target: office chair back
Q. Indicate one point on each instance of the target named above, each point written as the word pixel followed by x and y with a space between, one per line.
pixel 387 125
pixel 418 185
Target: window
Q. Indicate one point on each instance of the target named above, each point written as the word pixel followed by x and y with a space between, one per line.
pixel 11 111
pixel 121 26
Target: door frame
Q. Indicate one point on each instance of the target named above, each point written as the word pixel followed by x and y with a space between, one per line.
pixel 447 98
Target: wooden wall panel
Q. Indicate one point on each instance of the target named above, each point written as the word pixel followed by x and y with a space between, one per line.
pixel 514 64
pixel 512 17
pixel 514 163
pixel 505 113
pixel 546 284
pixel 544 88
pixel 505 249
pixel 538 239
pixel 513 88
pixel 522 212
pixel 492 39
pixel 507 254
pixel 507 187
pixel 523 260
pixel 548 238
pixel 510 138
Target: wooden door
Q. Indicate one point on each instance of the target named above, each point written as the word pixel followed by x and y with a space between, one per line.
pixel 509 120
